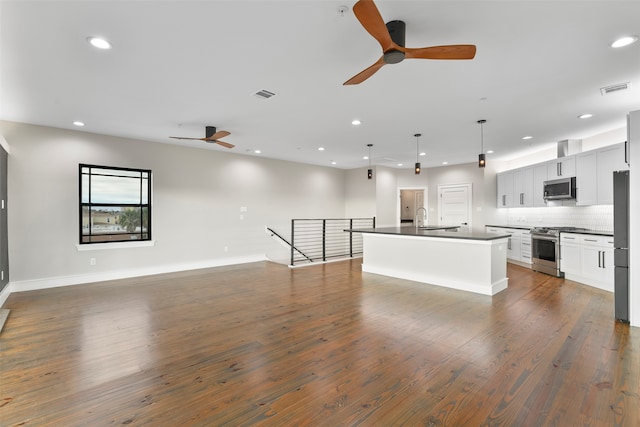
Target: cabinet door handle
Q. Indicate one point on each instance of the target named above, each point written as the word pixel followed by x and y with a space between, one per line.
pixel 509 243
pixel 558 170
pixel 590 240
pixel 504 199
pixel 522 198
pixel 599 259
pixel 626 148
pixel 603 266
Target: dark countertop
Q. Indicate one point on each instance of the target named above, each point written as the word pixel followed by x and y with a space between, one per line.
pixel 440 232
pixel 592 232
pixel 529 227
pixel 519 227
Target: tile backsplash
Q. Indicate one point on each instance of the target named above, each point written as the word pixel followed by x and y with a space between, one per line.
pixel 599 218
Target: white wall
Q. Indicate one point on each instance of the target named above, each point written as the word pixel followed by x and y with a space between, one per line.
pixel 468 173
pixel 197 196
pixel 387 200
pixel 360 194
pixel 550 151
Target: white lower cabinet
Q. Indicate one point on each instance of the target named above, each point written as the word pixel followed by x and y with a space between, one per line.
pixel 570 254
pixel 518 245
pixel 525 247
pixel 587 259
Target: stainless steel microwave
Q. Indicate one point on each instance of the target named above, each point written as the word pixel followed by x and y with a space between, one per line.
pixel 560 189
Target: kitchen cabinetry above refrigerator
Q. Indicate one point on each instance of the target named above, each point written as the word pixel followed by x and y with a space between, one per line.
pixel 594 174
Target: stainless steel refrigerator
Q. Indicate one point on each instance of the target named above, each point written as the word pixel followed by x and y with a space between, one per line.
pixel 621 244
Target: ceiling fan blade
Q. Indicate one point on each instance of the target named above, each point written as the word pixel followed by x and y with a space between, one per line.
pixel 194 139
pixel 364 75
pixel 455 51
pixel 370 18
pixel 224 144
pixel 219 134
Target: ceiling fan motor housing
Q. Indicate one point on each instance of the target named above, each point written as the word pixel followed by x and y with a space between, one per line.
pixel 210 131
pixel 397 30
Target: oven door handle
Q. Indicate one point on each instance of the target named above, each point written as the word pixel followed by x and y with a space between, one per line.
pixel 543 237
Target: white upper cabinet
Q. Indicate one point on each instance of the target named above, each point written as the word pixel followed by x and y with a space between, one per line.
pixel 523 187
pixel 586 179
pixel 564 167
pixel 505 190
pixel 539 177
pixel 610 159
pixel 594 174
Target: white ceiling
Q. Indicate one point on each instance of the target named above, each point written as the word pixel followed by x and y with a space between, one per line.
pixel 177 66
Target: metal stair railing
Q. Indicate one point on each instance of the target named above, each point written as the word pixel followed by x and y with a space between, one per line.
pixel 275 233
pixel 323 239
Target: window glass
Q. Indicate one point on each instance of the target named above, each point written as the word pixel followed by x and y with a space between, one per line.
pixel 114 204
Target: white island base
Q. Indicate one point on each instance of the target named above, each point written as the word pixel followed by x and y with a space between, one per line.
pixel 472 265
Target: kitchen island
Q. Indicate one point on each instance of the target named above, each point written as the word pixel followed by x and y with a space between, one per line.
pixel 466 260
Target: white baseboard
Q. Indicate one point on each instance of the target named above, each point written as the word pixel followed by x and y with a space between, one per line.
pixel 586 281
pixel 54 282
pixel 5 293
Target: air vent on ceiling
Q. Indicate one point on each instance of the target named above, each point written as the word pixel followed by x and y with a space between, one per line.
pixel 264 94
pixel 614 88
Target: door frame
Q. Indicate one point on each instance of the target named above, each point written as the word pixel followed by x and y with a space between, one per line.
pixel 425 202
pixel 469 187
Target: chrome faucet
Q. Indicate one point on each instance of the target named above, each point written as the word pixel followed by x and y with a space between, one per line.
pixel 419 222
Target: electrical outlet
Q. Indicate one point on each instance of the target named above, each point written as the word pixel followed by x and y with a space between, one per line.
pixel 92 261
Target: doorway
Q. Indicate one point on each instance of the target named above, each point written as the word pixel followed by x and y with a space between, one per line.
pixel 410 200
pixel 455 204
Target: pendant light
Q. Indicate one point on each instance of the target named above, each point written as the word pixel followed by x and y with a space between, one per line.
pixel 417 168
pixel 369 171
pixel 482 162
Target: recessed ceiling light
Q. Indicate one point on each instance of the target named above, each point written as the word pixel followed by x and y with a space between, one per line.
pixel 399 164
pixel 333 163
pixel 445 163
pixel 356 122
pixel 257 151
pixel 624 41
pixel 78 123
pixel 585 116
pixel 527 137
pixel 99 42
pixel 320 148
pixel 423 154
pixel 365 158
pixel 489 151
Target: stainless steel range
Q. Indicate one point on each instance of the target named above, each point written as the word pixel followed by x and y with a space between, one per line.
pixel 545 249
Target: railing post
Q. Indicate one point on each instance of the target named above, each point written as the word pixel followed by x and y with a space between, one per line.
pixel 324 240
pixel 351 237
pixel 292 241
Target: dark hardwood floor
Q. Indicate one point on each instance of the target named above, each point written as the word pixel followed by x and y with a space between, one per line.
pixel 326 345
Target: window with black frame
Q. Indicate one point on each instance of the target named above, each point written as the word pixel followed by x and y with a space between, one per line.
pixel 115 204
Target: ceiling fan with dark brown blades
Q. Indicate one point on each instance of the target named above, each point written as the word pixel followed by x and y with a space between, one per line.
pixel 391 37
pixel 211 136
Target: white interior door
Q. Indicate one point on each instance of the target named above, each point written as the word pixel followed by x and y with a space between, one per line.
pixel 454 205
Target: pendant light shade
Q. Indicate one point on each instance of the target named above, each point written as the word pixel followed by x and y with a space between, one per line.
pixel 369 171
pixel 417 167
pixel 482 161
